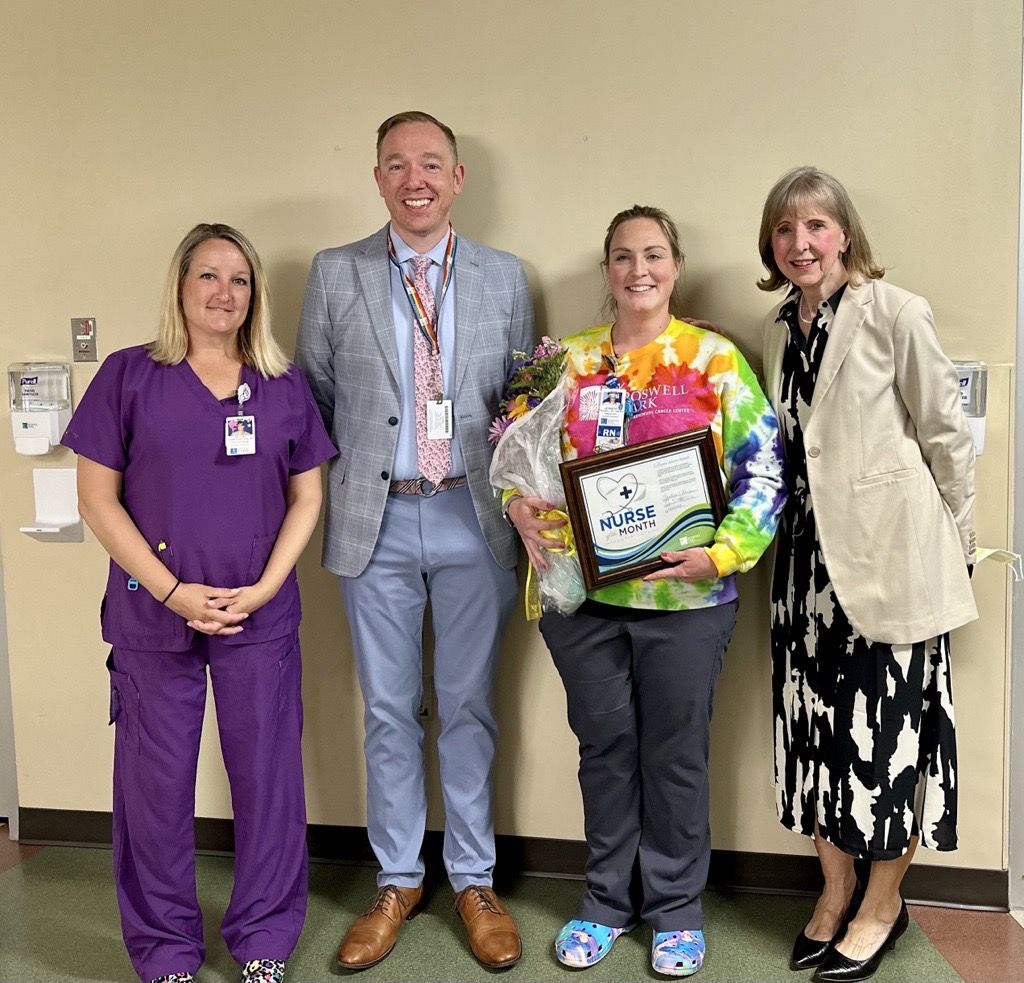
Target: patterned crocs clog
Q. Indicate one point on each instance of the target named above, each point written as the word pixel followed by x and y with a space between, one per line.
pixel 677 953
pixel 581 944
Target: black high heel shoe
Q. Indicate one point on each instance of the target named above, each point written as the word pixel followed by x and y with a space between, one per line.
pixel 837 968
pixel 808 953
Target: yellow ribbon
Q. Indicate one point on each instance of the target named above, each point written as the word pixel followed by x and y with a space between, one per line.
pixel 566 547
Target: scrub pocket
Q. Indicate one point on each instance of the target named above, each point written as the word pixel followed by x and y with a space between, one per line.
pixel 280 614
pixel 133 619
pixel 261 549
pixel 124 708
pixel 289 685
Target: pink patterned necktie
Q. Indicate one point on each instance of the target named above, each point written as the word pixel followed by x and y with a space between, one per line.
pixel 433 456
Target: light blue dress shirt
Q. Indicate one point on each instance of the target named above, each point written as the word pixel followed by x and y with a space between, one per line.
pixel 406 465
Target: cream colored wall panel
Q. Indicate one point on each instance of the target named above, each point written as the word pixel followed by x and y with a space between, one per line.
pixel 60 695
pixel 126 123
pixel 333 737
pixel 535 781
pixel 980 658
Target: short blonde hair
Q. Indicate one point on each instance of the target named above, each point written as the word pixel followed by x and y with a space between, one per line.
pixel 668 229
pixel 416 116
pixel 257 345
pixel 807 185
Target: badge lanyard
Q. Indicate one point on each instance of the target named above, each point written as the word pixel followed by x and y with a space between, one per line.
pixel 240 430
pixel 614 411
pixel 427 327
pixel 439 411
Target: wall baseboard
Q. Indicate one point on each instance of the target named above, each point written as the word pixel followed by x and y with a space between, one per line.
pixel 767 873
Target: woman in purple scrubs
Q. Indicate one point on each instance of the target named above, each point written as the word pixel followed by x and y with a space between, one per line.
pixel 199 474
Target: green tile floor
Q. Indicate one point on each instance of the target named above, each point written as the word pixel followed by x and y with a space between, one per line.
pixel 58 922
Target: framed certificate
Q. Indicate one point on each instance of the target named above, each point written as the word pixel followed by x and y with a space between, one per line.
pixel 629 505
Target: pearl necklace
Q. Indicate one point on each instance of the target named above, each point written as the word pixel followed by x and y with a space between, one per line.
pixel 800 312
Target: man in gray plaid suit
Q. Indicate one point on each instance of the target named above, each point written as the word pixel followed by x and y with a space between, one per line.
pixel 397 539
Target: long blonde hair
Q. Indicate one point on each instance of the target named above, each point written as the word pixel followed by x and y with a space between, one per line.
pixel 256 343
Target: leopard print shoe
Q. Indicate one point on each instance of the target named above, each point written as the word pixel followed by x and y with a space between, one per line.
pixel 263 971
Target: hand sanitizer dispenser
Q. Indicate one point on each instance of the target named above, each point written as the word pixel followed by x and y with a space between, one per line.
pixel 40 404
pixel 974 398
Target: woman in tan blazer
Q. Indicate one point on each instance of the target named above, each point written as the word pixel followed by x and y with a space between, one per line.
pixel 872 569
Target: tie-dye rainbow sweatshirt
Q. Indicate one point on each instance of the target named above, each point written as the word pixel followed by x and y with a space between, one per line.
pixel 687 377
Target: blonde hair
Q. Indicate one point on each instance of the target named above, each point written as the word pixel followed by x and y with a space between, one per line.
pixel 808 185
pixel 416 116
pixel 256 343
pixel 668 229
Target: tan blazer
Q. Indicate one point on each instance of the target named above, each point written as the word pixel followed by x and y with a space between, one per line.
pixel 890 462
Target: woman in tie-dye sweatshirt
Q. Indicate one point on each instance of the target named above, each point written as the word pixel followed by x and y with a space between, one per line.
pixel 640 658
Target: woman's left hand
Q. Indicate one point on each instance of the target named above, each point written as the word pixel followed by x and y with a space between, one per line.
pixel 247 600
pixel 688 565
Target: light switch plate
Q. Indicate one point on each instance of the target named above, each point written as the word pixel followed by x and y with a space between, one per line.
pixel 83 339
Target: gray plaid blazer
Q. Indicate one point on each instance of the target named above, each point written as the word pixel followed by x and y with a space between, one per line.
pixel 346 347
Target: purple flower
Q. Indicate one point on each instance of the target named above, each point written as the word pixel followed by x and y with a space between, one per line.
pixel 547 347
pixel 498 427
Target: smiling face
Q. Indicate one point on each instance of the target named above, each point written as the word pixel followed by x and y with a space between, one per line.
pixel 216 290
pixel 418 178
pixel 641 269
pixel 808 247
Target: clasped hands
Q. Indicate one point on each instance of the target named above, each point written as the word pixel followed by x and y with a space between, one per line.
pixel 217 610
pixel 689 565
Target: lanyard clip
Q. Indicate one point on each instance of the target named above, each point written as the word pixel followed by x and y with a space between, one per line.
pixel 243 393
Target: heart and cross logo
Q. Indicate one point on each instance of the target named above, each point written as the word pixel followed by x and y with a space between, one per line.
pixel 617 490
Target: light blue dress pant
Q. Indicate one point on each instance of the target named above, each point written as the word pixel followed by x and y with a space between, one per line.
pixel 429 549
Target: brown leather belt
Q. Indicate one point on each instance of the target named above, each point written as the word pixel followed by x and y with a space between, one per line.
pixel 420 486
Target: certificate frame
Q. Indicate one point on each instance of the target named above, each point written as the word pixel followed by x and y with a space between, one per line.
pixel 626 506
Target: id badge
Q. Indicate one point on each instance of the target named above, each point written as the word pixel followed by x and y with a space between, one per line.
pixel 439 419
pixel 611 420
pixel 240 435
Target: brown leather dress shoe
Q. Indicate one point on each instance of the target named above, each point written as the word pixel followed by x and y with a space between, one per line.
pixel 374 933
pixel 493 936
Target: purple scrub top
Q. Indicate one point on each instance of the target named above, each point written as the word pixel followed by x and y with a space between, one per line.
pixel 217 516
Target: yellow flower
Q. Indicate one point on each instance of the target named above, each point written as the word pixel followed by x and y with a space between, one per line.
pixel 518 407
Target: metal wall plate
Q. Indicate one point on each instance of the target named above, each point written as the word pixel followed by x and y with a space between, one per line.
pixel 83 339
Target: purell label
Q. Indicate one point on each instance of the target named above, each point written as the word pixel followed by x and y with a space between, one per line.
pixel 30 380
pixel 965 389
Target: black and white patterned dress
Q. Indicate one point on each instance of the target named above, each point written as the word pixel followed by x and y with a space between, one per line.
pixel 865 747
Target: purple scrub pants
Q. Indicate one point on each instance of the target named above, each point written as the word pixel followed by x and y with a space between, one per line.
pixel 157 703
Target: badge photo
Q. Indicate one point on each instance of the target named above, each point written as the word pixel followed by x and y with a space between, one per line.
pixel 240 435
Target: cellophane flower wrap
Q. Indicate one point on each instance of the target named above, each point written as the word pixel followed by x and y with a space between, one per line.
pixel 526 460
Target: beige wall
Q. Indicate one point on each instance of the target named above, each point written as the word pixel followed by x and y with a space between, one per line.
pixel 124 123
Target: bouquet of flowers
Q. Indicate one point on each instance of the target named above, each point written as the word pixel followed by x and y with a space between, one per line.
pixel 531 379
pixel 528 437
